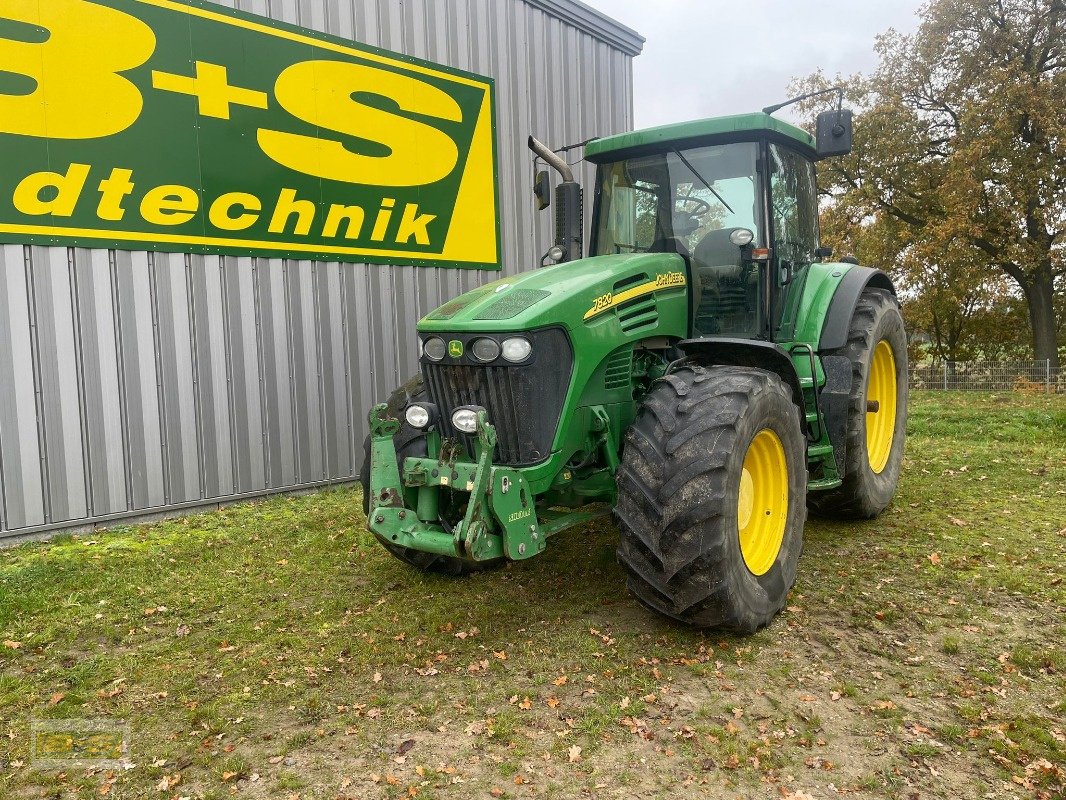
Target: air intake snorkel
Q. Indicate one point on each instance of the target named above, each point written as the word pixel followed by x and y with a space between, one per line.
pixel 568 214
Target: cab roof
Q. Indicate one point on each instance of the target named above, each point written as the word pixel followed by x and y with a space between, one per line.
pixel 739 126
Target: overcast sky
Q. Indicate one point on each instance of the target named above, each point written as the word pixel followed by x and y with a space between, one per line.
pixel 704 58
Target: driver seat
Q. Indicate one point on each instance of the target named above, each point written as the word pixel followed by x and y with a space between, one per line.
pixel 723 297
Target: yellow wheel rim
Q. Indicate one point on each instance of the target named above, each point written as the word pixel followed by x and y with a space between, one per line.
pixel 881 406
pixel 762 507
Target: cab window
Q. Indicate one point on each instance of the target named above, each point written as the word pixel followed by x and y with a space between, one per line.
pixel 794 222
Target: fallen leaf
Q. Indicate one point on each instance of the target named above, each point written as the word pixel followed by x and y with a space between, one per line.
pixel 553 702
pixel 405 747
pixel 10 645
pixel 168 782
pixel 561 680
pixel 934 558
pixel 960 522
pixel 575 754
pixel 56 698
pixel 377 677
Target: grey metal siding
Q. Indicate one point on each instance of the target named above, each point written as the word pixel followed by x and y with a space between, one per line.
pixel 135 383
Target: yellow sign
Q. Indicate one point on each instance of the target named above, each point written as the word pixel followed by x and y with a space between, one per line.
pixel 159 124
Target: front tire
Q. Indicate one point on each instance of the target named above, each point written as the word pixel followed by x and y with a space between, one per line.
pixel 711 497
pixel 877 349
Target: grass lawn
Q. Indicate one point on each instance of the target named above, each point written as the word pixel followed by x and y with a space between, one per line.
pixel 275 650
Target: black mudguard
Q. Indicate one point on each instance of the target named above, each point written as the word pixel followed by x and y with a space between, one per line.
pixel 834 397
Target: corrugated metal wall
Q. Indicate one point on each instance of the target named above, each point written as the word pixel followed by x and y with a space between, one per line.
pixel 136 383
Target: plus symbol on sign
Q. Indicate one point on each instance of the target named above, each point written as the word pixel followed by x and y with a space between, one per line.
pixel 211 88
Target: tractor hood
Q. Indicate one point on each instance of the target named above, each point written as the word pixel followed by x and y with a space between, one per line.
pixel 573 294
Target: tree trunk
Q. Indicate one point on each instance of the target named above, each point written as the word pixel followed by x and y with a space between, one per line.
pixel 1040 297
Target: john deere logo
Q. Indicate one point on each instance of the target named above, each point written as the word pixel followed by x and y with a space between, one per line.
pixel 277 141
pixel 455 348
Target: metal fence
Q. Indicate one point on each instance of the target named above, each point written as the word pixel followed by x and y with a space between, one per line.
pixel 988 376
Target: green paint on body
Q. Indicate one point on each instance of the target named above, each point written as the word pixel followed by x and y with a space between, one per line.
pixel 611 148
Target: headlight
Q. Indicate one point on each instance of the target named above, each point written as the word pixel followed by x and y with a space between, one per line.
pixel 516 349
pixel 419 416
pixel 435 348
pixel 465 419
pixel 485 349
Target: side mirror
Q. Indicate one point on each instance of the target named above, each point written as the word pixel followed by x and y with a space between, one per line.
pixel 823 252
pixel 833 134
pixel 542 190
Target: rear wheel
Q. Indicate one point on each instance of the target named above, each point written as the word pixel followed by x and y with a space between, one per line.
pixel 411 443
pixel 877 411
pixel 710 497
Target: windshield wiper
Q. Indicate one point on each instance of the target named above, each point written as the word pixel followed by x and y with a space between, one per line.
pixel 692 169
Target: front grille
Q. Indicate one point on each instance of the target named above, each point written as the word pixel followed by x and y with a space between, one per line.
pixel 523 402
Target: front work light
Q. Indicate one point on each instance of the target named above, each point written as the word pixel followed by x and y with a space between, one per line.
pixel 435 348
pixel 464 419
pixel 741 237
pixel 421 415
pixel 516 349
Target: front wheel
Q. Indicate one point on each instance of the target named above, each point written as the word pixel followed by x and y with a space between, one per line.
pixel 877 411
pixel 711 497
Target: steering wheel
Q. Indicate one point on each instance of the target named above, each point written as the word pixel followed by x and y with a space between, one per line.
pixel 702 206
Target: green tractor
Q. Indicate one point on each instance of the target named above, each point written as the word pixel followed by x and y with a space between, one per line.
pixel 706 373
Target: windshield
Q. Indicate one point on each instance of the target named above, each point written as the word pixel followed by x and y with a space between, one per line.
pixel 678 201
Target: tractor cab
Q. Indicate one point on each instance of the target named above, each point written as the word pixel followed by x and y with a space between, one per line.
pixel 735 196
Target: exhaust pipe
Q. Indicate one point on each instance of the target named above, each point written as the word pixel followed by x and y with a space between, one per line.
pixel 569 224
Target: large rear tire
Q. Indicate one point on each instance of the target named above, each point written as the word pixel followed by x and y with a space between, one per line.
pixel 411 443
pixel 711 497
pixel 877 349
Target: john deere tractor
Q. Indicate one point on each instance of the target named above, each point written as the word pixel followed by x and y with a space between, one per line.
pixel 707 373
